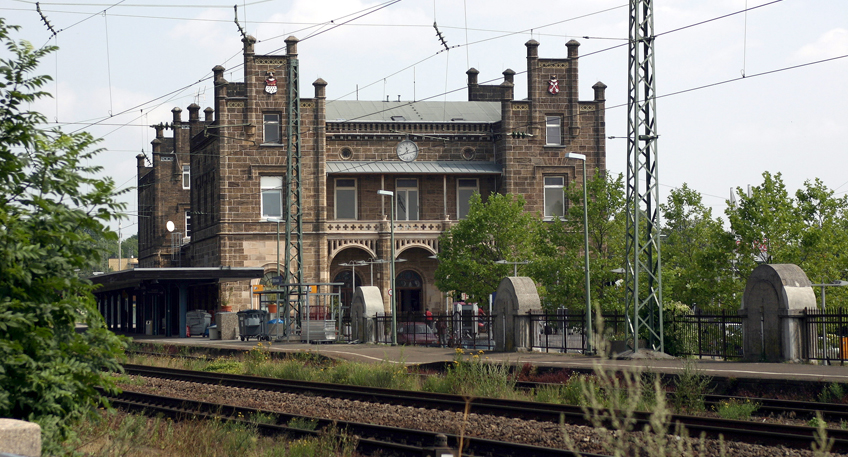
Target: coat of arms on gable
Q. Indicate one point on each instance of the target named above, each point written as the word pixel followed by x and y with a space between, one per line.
pixel 270 83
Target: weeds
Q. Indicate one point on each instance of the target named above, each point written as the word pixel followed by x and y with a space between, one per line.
pixel 736 409
pixel 120 434
pixel 690 389
pixel 471 376
pixel 303 424
pixel 832 393
pixel 822 445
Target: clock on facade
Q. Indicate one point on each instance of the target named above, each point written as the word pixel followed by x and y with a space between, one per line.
pixel 407 150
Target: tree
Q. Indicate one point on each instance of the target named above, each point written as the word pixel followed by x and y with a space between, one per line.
pixel 498 229
pixel 697 253
pixel 50 203
pixel 605 213
pixel 765 225
pixel 129 247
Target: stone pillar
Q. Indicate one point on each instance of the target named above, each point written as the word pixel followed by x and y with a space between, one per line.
pixel 367 302
pixel 775 296
pixel 515 297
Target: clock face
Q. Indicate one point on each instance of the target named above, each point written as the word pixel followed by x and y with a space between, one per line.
pixel 407 151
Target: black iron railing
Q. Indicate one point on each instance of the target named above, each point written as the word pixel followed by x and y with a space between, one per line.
pixel 460 329
pixel 717 335
pixel 825 335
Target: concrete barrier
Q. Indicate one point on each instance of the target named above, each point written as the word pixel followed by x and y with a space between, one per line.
pixel 20 438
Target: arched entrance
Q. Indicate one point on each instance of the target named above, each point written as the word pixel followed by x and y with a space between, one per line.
pixel 409 286
pixel 344 276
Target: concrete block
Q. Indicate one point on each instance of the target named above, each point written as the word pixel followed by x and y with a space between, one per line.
pixel 227 325
pixel 20 438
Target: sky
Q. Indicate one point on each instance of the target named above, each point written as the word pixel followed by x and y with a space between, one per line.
pixel 123 66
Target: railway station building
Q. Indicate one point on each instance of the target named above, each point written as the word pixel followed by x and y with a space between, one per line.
pixel 215 188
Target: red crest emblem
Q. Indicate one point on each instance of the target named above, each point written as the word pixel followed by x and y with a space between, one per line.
pixel 553 85
pixel 270 83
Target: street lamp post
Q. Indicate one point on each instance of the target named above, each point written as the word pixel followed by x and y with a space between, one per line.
pixel 572 155
pixel 353 264
pixel 392 269
pixel 514 265
pixel 372 262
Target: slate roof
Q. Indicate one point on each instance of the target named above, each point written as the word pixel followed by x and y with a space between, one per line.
pixel 419 168
pixel 427 111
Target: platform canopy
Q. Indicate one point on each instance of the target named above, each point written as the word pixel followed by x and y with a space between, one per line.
pixel 188 275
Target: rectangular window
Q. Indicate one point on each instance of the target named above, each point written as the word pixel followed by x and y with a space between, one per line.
pixel 188 224
pixel 271 128
pixel 406 196
pixel 553 130
pixel 554 197
pixel 186 176
pixel 346 198
pixel 272 197
pixel 465 188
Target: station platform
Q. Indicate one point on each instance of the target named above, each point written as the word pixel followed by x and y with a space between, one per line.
pixel 420 355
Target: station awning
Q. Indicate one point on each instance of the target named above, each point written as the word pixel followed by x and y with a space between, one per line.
pixel 192 275
pixel 418 168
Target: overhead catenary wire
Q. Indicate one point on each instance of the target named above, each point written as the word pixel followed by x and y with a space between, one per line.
pixel 479 41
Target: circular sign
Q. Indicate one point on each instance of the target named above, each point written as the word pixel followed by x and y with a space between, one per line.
pixel 170 226
pixel 390 292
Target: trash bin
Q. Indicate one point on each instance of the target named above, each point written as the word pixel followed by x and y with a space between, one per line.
pixel 213 333
pixel 148 327
pixel 198 321
pixel 253 323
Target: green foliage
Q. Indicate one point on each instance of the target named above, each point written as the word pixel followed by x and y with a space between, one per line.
pixel 223 365
pixel 559 247
pixel 697 253
pixel 736 409
pixel 570 393
pixel 470 375
pixel 832 393
pixel 303 424
pixel 690 389
pixel 498 229
pixel 50 205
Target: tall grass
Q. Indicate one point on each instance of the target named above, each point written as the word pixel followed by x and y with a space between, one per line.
pixel 118 434
pixel 470 375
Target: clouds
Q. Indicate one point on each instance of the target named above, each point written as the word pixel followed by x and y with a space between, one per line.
pixel 712 138
pixel 832 43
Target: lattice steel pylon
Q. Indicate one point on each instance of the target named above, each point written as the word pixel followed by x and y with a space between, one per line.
pixel 643 268
pixel 294 207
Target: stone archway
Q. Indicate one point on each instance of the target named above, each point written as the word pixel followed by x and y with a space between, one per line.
pixel 346 289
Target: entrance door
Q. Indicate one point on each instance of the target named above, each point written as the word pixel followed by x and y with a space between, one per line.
pixel 409 286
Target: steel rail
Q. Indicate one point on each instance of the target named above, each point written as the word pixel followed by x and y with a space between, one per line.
pixel 768 434
pixel 371 438
pixel 830 412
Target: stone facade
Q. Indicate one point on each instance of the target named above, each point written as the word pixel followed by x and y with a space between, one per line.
pixel 239 150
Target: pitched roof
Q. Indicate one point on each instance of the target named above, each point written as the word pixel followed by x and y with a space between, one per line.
pixel 429 111
pixel 420 168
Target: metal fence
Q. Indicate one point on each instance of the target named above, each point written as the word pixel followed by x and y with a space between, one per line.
pixel 702 335
pixel 716 335
pixel 825 335
pixel 459 329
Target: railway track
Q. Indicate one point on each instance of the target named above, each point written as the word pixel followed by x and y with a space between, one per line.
pixel 830 412
pixel 371 439
pixel 769 434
